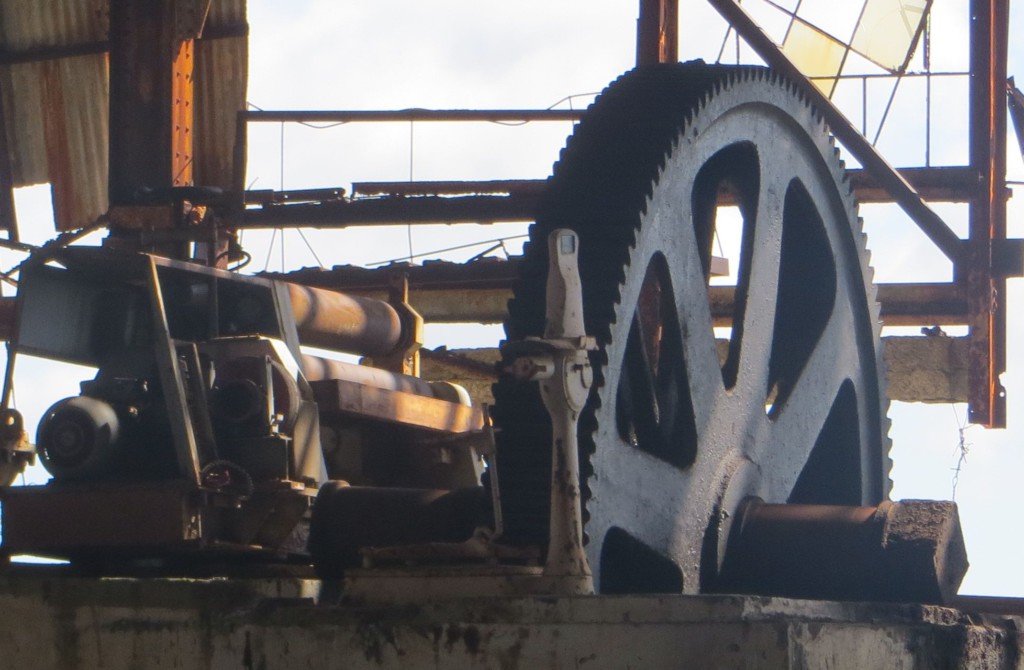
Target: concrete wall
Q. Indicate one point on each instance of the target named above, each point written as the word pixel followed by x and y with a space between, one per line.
pixel 54 621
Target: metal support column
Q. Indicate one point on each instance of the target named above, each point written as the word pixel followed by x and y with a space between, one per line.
pixel 8 215
pixel 657 32
pixel 986 291
pixel 150 98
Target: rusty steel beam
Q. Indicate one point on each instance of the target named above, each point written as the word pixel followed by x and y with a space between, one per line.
pixel 480 209
pixel 150 100
pixel 986 292
pixel 8 214
pixel 657 32
pixel 954 183
pixel 388 203
pixel 902 191
pixel 477 292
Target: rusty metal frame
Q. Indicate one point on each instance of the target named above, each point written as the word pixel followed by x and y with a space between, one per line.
pixel 986 289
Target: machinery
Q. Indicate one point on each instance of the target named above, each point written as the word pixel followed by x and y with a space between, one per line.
pixel 208 430
pixel 206 427
pixel 653 431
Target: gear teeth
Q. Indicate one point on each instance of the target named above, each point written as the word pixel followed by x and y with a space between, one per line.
pixel 600 186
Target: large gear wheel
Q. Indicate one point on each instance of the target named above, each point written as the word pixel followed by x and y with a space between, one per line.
pixel 675 434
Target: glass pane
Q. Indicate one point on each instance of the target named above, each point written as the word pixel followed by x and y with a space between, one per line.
pixel 815 54
pixel 887 30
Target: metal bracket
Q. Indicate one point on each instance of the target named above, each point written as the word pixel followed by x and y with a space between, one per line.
pixel 559 362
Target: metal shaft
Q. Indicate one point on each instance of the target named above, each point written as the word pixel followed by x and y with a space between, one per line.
pixel 910 551
pixel 340 322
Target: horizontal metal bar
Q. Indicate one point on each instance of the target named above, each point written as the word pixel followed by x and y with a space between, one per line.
pixel 490 187
pixel 55 52
pixel 889 75
pixel 389 211
pixel 477 292
pixel 383 116
pixel 508 200
pixel 938 184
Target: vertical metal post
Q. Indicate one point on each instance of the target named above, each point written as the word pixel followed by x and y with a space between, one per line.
pixel 986 292
pixel 657 32
pixel 8 215
pixel 151 99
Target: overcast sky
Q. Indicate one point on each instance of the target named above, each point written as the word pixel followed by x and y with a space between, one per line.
pixel 392 54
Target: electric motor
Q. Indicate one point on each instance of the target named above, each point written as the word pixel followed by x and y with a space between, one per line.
pixel 79 438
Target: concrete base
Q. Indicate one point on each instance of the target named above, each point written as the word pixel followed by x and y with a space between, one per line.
pixel 53 621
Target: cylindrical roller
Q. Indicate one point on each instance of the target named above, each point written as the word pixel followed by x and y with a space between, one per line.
pixel 349 518
pixel 909 551
pixel 332 320
pixel 316 369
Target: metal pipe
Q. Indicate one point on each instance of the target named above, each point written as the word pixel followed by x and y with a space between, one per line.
pixel 340 322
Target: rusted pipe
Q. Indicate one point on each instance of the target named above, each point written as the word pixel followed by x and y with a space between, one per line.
pixel 910 551
pixel 340 322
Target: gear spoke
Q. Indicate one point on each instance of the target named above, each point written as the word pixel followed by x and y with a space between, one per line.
pixel 796 410
pixel 796 425
pixel 761 300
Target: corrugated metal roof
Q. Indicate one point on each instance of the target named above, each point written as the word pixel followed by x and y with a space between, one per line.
pixel 221 76
pixel 56 109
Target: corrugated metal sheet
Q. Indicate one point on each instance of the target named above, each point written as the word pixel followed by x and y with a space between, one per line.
pixel 221 77
pixel 56 110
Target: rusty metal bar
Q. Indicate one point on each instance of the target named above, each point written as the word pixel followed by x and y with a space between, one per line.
pixel 150 100
pixel 657 32
pixel 986 292
pixel 476 292
pixel 953 183
pixel 480 202
pixel 407 115
pixel 8 214
pixel 480 209
pixel 405 188
pixel 861 149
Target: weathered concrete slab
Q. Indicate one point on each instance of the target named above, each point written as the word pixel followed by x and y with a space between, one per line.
pixel 61 622
pixel 920 369
pixel 927 369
